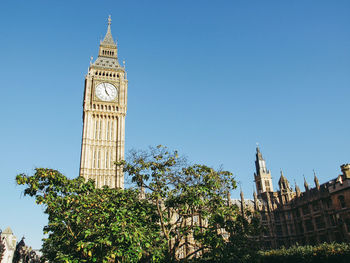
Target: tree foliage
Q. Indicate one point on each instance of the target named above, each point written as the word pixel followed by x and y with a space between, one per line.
pixel 93 225
pixel 180 212
pixel 191 202
pixel 322 253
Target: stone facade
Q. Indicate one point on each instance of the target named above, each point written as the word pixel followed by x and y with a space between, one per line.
pixel 104 110
pixel 10 245
pixel 319 214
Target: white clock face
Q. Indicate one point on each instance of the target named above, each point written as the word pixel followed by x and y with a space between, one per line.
pixel 106 91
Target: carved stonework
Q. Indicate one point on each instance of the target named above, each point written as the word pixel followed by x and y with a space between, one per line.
pixel 9 241
pixel 105 101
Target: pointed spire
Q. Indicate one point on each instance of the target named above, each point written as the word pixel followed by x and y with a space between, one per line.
pixel 8 231
pixel 258 153
pixel 297 189
pixel 228 198
pixel 255 195
pixel 282 178
pixel 306 184
pixel 282 182
pixel 317 184
pixel 108 39
pixel 242 201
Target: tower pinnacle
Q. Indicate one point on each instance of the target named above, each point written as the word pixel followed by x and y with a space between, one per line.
pixel 306 184
pixel 317 184
pixel 108 39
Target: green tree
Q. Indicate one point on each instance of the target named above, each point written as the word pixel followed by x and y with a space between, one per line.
pixel 86 224
pixel 191 202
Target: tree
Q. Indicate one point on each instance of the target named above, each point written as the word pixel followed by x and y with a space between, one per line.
pixel 86 224
pixel 191 202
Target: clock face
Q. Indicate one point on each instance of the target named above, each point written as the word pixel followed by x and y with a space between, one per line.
pixel 106 91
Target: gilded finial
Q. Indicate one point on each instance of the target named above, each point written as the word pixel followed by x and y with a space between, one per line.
pixel 109 20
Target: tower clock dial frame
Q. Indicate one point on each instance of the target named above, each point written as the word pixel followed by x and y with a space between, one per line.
pixel 106 92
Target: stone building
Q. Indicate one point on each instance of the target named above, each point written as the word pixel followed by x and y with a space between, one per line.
pixel 104 110
pixel 9 241
pixel 319 214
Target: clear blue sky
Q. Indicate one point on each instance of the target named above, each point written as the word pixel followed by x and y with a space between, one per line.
pixel 207 78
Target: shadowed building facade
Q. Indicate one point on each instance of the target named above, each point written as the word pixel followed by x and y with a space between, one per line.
pixel 319 214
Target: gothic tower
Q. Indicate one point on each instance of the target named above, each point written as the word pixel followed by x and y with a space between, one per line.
pixel 104 110
pixel 263 180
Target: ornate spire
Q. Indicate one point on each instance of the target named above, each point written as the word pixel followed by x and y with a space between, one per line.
pixel 283 182
pixel 255 195
pixel 258 153
pixel 297 189
pixel 242 202
pixel 317 184
pixel 241 194
pixel 306 184
pixel 108 40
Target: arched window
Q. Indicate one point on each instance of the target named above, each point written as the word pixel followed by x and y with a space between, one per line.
pixel 342 201
pixel 117 75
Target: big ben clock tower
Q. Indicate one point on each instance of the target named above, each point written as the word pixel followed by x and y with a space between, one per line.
pixel 105 100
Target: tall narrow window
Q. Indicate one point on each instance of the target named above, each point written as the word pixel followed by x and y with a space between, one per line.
pixel 112 130
pixel 98 158
pixel 96 128
pixel 94 159
pixel 110 159
pixel 341 201
pixel 106 160
pixel 107 130
pixel 100 131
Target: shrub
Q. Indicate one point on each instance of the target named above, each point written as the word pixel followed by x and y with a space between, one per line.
pixel 322 253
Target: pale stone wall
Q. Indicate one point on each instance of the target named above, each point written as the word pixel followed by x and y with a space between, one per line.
pixel 10 245
pixel 103 137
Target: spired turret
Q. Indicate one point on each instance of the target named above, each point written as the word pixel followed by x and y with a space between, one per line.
pixel 317 184
pixel 306 185
pixel 297 190
pixel 283 182
pixel 262 176
pixel 345 168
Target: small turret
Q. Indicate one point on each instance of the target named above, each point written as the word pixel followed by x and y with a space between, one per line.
pixel 228 198
pixel 242 203
pixel 255 200
pixel 297 190
pixel 345 168
pixel 283 182
pixel 317 184
pixel 306 185
pixel 262 176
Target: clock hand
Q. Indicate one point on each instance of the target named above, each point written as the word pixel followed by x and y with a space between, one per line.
pixel 105 89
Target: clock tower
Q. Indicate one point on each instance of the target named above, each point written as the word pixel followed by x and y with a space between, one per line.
pixel 104 110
